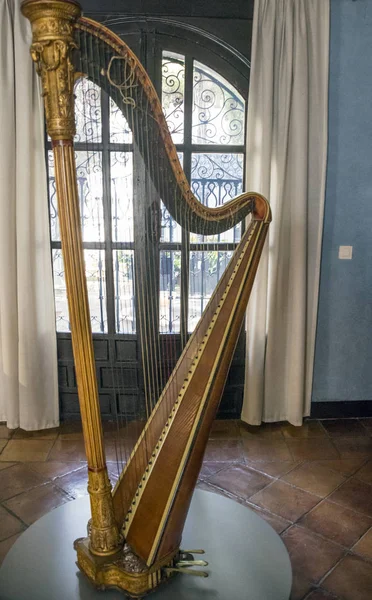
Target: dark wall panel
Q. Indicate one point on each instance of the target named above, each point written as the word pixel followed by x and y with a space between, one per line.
pixel 239 9
pixel 119 378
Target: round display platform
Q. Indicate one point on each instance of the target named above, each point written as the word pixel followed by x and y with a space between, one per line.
pixel 247 559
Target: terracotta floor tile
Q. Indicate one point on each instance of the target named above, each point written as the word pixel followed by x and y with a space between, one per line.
pixel 314 478
pixel 77 435
pixel 35 503
pixel 367 423
pixel 71 430
pixel 311 556
pixel 75 483
pixel 51 469
pixel 354 494
pixel 9 525
pixel 3 443
pixel 6 465
pixel 312 449
pixel 240 481
pixel 123 433
pixel 113 474
pixel 26 450
pixel 320 595
pixel 224 451
pixel 276 522
pixel 203 485
pixel 270 431
pixel 256 450
pixel 273 468
pixel 223 429
pixel 300 587
pixel 365 473
pixel 115 467
pixel 117 450
pixel 364 545
pixel 6 433
pixel 310 429
pixel 354 447
pixel 351 579
pixel 337 523
pixel 6 545
pixel 344 428
pixel 43 434
pixel 210 468
pixel 346 466
pixel 68 450
pixel 18 479
pixel 284 500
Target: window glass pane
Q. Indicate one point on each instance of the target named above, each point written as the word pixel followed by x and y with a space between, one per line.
pixel 122 196
pixel 53 207
pixel 120 132
pixel 125 314
pixel 170 230
pixel 216 179
pixel 218 109
pixel 173 85
pixel 170 294
pixel 206 269
pixel 60 297
pixel 87 111
pixel 89 183
pixel 96 282
pixel 95 275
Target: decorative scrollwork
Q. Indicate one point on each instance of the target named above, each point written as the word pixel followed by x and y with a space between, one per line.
pixel 216 179
pixel 173 89
pixel 128 78
pixel 218 109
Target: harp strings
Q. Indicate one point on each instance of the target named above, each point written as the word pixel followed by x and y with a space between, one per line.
pixel 155 184
pixel 146 261
pixel 93 53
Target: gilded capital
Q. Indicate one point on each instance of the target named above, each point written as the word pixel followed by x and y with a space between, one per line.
pixel 52 23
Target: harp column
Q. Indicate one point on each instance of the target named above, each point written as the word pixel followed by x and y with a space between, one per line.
pixel 53 41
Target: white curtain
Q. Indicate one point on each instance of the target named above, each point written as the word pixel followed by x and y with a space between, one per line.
pixel 286 161
pixel 28 355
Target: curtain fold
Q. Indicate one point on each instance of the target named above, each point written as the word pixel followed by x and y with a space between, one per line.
pixel 28 351
pixel 286 161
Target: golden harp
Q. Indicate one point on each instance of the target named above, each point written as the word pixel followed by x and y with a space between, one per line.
pixel 135 532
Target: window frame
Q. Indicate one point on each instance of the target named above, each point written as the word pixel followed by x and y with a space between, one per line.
pixel 148 39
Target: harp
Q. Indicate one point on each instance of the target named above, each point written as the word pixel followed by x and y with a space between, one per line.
pixel 135 531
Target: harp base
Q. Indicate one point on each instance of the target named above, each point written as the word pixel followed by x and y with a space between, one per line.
pixel 109 572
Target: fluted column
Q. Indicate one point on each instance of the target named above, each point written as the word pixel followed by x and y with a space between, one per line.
pixel 53 40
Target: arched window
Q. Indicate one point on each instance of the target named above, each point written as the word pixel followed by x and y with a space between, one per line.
pixel 205 112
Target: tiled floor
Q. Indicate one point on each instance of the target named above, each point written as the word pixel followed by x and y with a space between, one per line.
pixel 313 484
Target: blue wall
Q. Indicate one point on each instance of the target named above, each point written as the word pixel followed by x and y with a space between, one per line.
pixel 343 355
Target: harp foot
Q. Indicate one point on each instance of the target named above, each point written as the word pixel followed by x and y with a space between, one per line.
pixel 124 571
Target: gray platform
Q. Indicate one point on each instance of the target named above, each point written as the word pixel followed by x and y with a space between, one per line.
pixel 247 559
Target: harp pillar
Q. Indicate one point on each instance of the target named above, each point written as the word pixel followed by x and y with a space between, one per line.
pixel 52 24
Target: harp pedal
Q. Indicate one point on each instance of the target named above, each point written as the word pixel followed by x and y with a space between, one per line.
pixel 185 563
pixel 170 570
pixel 191 563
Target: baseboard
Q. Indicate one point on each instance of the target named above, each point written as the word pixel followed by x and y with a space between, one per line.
pixel 341 410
